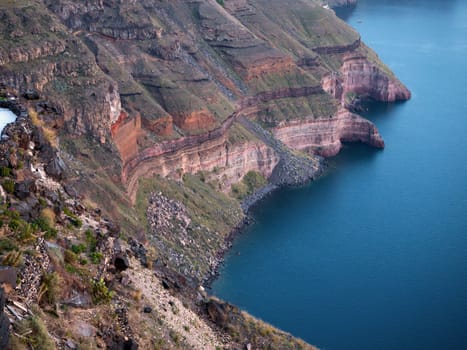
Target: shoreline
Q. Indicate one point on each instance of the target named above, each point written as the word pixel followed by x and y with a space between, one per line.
pixel 247 205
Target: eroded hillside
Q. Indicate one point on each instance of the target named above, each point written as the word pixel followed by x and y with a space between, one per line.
pixel 168 115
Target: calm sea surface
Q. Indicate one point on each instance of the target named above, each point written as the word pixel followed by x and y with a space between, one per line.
pixel 374 254
pixel 6 116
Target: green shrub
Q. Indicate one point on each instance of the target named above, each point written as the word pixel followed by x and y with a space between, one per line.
pixel 8 185
pixel 254 180
pixel 249 184
pixel 51 282
pixel 96 257
pixel 75 220
pixel 43 224
pixel 100 292
pixel 36 334
pixel 4 171
pixel 13 258
pixel 91 240
pixel 24 230
pixel 69 256
pixel 220 2
pixel 78 248
pixel 7 245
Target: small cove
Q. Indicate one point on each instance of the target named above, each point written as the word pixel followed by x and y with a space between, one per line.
pixel 373 255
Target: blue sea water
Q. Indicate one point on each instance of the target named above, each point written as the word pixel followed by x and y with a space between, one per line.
pixel 6 116
pixel 374 254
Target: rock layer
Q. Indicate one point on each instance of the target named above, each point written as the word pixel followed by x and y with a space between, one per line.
pixel 359 76
pixel 325 136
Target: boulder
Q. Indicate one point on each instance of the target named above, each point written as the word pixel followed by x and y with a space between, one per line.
pixel 24 189
pixel 218 312
pixel 56 168
pixel 28 209
pixel 8 275
pixel 31 94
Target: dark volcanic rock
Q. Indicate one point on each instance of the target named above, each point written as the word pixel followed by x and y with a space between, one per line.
pixel 24 189
pixel 71 191
pixel 31 94
pixel 121 262
pixel 218 312
pixel 139 251
pixel 4 322
pixel 56 168
pixel 28 209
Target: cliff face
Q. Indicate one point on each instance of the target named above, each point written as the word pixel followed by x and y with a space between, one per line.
pixel 164 82
pixel 38 52
pixel 227 162
pixel 157 108
pixel 145 73
pixel 360 77
pixel 325 136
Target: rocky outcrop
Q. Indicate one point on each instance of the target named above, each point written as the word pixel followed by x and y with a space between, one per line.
pixel 27 54
pixel 41 53
pixel 363 78
pixel 194 120
pixel 324 136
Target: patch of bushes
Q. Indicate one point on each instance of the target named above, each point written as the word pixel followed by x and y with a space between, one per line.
pixel 69 256
pixel 91 240
pixel 50 287
pixel 9 185
pixel 4 171
pixel 100 293
pixel 96 257
pixel 33 332
pixel 13 258
pixel 78 248
pixel 7 245
pixel 75 220
pixel 46 222
pixel 249 184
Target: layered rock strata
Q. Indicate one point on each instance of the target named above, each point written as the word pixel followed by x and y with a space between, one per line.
pixel 360 77
pixel 229 162
pixel 325 136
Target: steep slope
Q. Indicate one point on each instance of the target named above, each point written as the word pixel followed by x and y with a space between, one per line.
pixel 168 115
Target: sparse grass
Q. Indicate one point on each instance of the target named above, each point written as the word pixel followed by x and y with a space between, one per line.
pixel 247 186
pixel 8 185
pixel 51 282
pixel 33 332
pixel 74 219
pixel 46 222
pixel 49 134
pixel 13 258
pixel 5 171
pixel 7 245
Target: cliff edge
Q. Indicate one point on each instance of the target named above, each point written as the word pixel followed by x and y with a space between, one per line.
pixel 145 130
